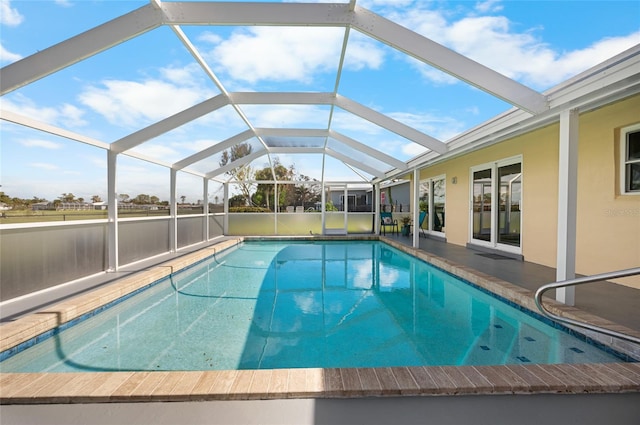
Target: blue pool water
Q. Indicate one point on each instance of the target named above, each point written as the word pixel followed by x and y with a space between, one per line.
pixel 268 305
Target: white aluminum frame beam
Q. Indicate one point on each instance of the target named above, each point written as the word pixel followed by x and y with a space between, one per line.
pixel 357 164
pixel 367 22
pixel 289 151
pixel 342 102
pixel 218 147
pixel 390 124
pixel 48 128
pixel 254 13
pixel 170 123
pixel 291 132
pixel 380 156
pixel 238 163
pixel 281 98
pixel 339 137
pixel 82 46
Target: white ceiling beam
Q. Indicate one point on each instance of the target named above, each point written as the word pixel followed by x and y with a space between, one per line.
pixel 212 150
pixel 292 132
pixel 170 123
pixel 390 124
pixel 344 103
pixel 296 150
pixel 252 13
pixel 380 156
pixel 339 137
pixel 82 46
pixel 281 98
pixel 357 164
pixel 238 163
pixel 47 128
pixel 448 61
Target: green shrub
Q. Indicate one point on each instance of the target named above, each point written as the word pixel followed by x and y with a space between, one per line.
pixel 246 209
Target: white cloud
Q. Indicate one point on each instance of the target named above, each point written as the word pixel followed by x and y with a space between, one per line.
pixel 287 53
pixel 40 143
pixel 7 56
pixel 362 53
pixel 347 121
pixel 562 67
pixel 315 116
pixel 8 15
pixel 127 103
pixel 278 54
pixel 24 106
pixel 493 41
pixel 158 152
pixel 413 149
pixel 66 114
pixel 44 166
pixel 489 6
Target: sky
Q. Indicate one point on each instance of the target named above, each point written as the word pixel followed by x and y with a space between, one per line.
pixel 151 77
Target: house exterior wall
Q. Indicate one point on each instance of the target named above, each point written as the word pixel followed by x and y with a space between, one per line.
pixel 608 224
pixel 608 235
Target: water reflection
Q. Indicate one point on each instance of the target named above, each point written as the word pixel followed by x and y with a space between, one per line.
pixel 274 305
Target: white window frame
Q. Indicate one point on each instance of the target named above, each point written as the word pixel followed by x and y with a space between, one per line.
pixel 495 195
pixel 624 160
pixel 430 181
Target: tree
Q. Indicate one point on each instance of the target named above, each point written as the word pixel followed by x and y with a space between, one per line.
pixel 237 201
pixel 243 173
pixel 306 193
pixel 141 199
pixel 154 199
pixel 96 198
pixel 67 197
pixel 265 192
pixel 123 197
pixel 183 198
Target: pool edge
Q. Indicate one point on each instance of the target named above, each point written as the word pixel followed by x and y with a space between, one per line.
pixel 102 387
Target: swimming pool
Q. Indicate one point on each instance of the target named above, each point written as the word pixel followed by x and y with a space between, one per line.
pixel 324 304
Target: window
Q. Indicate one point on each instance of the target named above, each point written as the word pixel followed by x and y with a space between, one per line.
pixel 630 159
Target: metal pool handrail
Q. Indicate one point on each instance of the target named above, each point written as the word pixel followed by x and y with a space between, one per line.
pixel 580 281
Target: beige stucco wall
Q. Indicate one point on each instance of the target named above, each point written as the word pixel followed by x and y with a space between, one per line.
pixel 608 225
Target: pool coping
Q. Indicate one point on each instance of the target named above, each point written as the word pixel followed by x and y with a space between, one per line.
pixel 103 387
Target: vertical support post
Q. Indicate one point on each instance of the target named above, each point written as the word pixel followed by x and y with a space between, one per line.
pixel 275 206
pixel 567 203
pixel 205 209
pixel 173 212
pixel 323 207
pixel 415 210
pixel 346 208
pixel 376 208
pixel 112 211
pixel 225 226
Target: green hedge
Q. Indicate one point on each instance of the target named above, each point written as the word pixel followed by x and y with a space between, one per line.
pixel 248 210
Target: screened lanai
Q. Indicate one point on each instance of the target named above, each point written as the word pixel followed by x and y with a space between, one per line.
pixel 261 118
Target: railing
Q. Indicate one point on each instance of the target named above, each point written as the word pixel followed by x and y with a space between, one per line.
pixel 580 281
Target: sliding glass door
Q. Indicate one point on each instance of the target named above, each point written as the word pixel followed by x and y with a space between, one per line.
pixel 510 177
pixel 496 191
pixel 432 197
pixel 482 205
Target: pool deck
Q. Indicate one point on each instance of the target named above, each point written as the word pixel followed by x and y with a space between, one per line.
pixel 109 387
